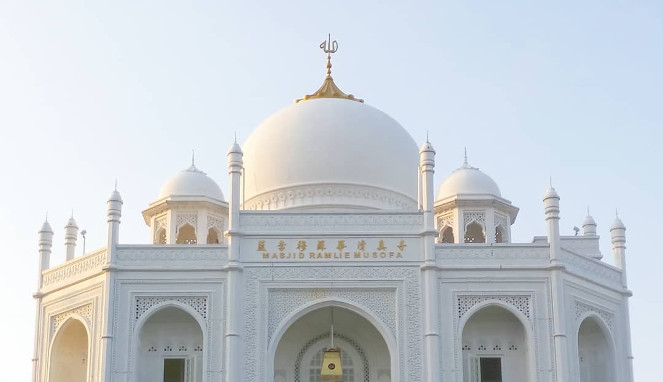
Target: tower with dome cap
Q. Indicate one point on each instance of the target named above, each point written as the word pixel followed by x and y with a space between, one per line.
pixel 335 257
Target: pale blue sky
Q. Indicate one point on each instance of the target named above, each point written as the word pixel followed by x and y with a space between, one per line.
pixel 92 92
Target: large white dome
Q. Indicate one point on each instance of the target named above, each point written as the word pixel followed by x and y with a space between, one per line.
pixel 468 180
pixel 330 152
pixel 191 183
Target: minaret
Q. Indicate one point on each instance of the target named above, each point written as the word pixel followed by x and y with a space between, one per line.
pixel 70 237
pixel 234 327
pixel 589 225
pixel 429 271
pixel 113 214
pixel 551 203
pixel 618 238
pixel 45 245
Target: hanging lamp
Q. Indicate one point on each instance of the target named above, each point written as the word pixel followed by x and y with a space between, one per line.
pixel 331 359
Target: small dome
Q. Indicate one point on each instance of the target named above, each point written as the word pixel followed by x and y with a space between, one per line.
pixel 589 220
pixel 617 224
pixel 192 183
pixel 46 228
pixel 468 180
pixel 331 152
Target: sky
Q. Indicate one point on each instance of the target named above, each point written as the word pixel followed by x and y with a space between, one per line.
pixel 91 92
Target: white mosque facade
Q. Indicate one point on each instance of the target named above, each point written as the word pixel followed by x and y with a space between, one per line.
pixel 332 225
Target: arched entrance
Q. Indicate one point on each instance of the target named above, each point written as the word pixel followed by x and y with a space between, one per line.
pixel 69 353
pixel 170 347
pixel 495 347
pixel 364 353
pixel 595 352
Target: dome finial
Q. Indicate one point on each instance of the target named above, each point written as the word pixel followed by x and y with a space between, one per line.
pixel 465 160
pixel 329 88
pixel 329 47
pixel 193 158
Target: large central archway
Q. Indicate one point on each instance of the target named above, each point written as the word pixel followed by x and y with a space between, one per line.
pixel 365 355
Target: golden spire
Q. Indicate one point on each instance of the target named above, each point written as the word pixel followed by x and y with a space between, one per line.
pixel 329 88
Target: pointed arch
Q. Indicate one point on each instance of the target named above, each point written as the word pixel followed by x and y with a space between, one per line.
pixel 447 234
pixel 69 356
pixel 474 233
pixel 186 234
pixel 596 350
pixel 213 236
pixel 169 330
pixel 381 328
pixel 496 335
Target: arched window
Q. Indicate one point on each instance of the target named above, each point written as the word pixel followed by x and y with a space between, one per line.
pixel 447 235
pixel 499 234
pixel 160 237
pixel 213 236
pixel 315 367
pixel 186 235
pixel 474 233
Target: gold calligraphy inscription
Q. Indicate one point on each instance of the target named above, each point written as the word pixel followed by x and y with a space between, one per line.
pixel 383 249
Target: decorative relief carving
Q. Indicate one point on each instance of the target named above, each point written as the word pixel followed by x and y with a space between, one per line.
pixel 330 193
pixel 501 220
pixel 197 303
pixel 523 303
pixel 161 222
pixel 128 254
pixel 380 302
pixel 593 268
pixel 469 217
pixel 409 335
pixel 607 317
pixel 85 311
pixel 267 221
pixel 491 252
pixel 70 271
pixel 446 220
pixel 215 222
pixel 183 218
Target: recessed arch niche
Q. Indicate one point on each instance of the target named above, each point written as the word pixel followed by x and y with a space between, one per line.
pixel 360 342
pixel 595 352
pixel 70 353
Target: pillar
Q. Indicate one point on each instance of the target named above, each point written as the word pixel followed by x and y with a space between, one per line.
pixel 70 237
pixel 560 339
pixel 429 270
pixel 234 325
pixel 618 238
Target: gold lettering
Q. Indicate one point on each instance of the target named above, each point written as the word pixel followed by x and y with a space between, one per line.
pixel 357 255
pixel 301 245
pixel 265 255
pixel 341 245
pixel 381 246
pixel 401 245
pixel 321 245
pixel 361 245
pixel 261 245
pixel 281 245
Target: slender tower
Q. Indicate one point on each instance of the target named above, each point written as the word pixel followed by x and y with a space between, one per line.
pixel 45 245
pixel 113 213
pixel 551 203
pixel 429 270
pixel 618 238
pixel 234 325
pixel 70 237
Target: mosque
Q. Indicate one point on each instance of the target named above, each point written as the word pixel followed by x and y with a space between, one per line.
pixel 334 260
